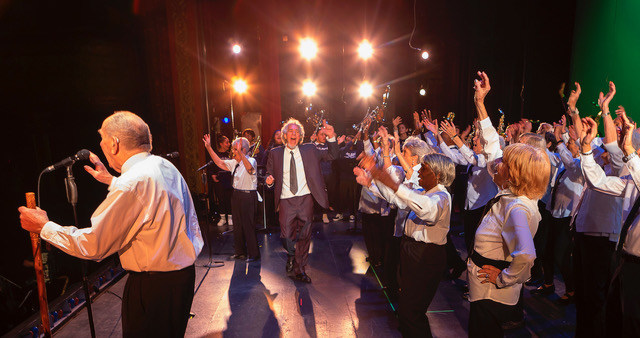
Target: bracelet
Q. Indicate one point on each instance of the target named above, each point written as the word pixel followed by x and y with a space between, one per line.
pixel 628 158
pixel 383 156
pixel 456 135
pixel 588 152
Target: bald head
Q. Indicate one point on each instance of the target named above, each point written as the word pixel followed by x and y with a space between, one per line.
pixel 131 131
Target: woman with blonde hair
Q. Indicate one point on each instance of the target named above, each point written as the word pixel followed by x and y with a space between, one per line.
pixel 503 250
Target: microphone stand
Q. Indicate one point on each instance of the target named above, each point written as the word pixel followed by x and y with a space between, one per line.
pixel 72 197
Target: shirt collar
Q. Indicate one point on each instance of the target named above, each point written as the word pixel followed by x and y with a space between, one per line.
pixel 286 148
pixel 133 160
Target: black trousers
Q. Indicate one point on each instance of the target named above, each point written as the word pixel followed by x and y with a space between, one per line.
pixel 421 268
pixel 244 206
pixel 592 260
pixel 540 241
pixel 623 301
pixel 157 304
pixel 558 252
pixel 222 197
pixel 486 317
pixel 391 266
pixel 349 195
pixel 296 216
pixel 472 219
pixel 377 231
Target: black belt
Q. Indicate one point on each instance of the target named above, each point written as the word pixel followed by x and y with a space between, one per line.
pixel 480 261
pixel 244 191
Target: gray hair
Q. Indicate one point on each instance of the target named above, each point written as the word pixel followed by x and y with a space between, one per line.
pixel 131 131
pixel 416 146
pixel 291 122
pixel 442 166
pixel 534 140
pixel 244 144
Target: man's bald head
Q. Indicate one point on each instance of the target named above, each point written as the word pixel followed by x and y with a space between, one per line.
pixel 131 131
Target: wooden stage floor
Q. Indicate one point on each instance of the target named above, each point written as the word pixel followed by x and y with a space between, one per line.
pixel 240 299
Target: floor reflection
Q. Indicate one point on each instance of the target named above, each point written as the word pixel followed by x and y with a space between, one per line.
pixel 251 304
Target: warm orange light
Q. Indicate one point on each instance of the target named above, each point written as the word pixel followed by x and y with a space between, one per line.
pixel 365 50
pixel 308 88
pixel 236 49
pixel 308 48
pixel 366 90
pixel 240 86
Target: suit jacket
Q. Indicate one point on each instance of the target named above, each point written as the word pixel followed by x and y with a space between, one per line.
pixel 311 158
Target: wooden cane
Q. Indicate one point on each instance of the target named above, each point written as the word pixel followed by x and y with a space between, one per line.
pixel 37 264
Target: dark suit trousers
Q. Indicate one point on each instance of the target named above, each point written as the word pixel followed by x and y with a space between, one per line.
pixel 421 268
pixel 157 304
pixel 623 301
pixel 472 219
pixel 558 253
pixel 486 317
pixel 296 216
pixel 592 265
pixel 244 206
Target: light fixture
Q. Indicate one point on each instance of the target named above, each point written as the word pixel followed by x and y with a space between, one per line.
pixel 236 49
pixel 424 55
pixel 308 48
pixel 308 88
pixel 365 50
pixel 366 90
pixel 239 86
pixel 423 92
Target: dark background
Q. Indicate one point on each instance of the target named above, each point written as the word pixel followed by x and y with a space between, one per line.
pixel 66 65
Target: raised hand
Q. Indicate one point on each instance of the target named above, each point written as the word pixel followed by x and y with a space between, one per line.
pixel 573 97
pixel 341 138
pixel 100 173
pixel 591 130
pixel 362 177
pixel 625 141
pixel 432 126
pixel 449 128
pixel 604 100
pixel 206 139
pixel 366 162
pixel 481 87
pixel 573 136
pixel 526 126
pixel 416 120
pixel 465 132
pixel 563 123
pixel 620 111
pixel 557 131
pixel 269 180
pixel 396 122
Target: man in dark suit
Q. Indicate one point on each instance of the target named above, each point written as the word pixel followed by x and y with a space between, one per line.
pixel 295 170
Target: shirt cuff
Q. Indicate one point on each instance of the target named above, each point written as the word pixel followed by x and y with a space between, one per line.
pixel 587 158
pixel 112 184
pixel 634 163
pixel 331 139
pixel 49 230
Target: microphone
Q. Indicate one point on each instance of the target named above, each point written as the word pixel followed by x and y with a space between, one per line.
pixel 174 154
pixel 205 166
pixel 83 154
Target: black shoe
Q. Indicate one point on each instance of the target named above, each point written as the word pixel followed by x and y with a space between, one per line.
pixel 567 299
pixel 544 290
pixel 303 277
pixel 238 257
pixel 252 259
pixel 533 282
pixel 289 266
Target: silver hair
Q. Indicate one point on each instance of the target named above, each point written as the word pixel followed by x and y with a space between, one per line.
pixel 245 144
pixel 416 146
pixel 131 131
pixel 442 166
pixel 290 122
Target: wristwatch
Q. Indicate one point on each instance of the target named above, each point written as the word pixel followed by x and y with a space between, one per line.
pixel 628 158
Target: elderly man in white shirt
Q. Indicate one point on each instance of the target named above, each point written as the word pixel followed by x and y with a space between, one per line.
pixel 148 218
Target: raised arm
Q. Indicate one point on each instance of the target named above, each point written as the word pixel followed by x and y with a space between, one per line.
pixel 610 134
pixel 593 173
pixel 206 139
pixel 573 111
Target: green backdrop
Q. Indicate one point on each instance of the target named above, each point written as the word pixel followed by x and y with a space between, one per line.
pixel 606 47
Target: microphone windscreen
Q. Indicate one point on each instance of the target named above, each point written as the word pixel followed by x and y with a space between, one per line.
pixel 83 154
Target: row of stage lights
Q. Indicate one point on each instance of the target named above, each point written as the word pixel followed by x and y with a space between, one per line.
pixel 308 50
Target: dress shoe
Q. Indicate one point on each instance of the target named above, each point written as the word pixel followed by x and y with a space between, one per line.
pixel 290 261
pixel 544 290
pixel 303 277
pixel 533 282
pixel 252 259
pixel 567 299
pixel 238 257
pixel 338 217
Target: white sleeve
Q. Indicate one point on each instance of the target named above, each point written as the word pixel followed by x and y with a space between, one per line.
pixel 427 207
pixel 517 233
pixel 598 180
pixel 491 140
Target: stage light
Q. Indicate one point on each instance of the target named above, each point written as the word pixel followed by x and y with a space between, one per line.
pixel 236 49
pixel 240 86
pixel 225 120
pixel 423 92
pixel 365 89
pixel 308 48
pixel 308 88
pixel 365 50
pixel 424 55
